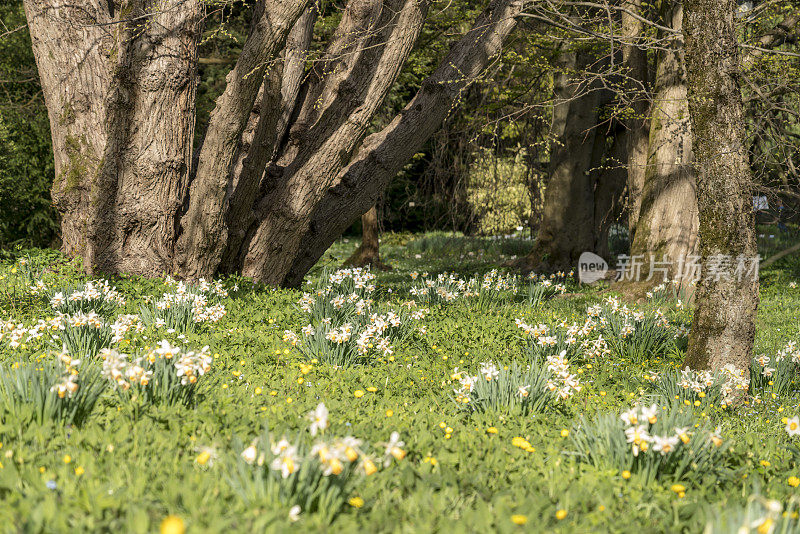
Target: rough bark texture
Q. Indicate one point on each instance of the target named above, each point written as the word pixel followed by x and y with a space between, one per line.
pixel 265 129
pixel 204 231
pixel 329 127
pixel 667 225
pixel 368 252
pixel 383 154
pixel 634 63
pixel 276 180
pixel 609 188
pixel 119 88
pixel 568 220
pixel 723 328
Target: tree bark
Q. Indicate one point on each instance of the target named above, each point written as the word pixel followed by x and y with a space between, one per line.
pixel 382 154
pixel 327 131
pixel 260 141
pixel 119 89
pixel 723 328
pixel 368 252
pixel 667 225
pixel 635 68
pixel 568 220
pixel 609 188
pixel 204 231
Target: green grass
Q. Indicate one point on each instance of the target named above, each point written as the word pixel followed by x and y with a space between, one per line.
pixel 130 464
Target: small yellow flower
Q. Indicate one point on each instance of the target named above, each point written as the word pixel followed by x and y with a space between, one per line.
pixel 626 474
pixel 258 391
pixel 561 514
pixel 172 524
pixel 273 393
pixel 678 488
pixel 389 413
pixel 356 502
pixel 519 519
pixel 358 393
pixel 564 433
pixel 79 471
pixel 203 458
pixel 372 389
pixel 793 481
pixel 491 430
pixel 765 463
pixel 601 508
pixel 67 458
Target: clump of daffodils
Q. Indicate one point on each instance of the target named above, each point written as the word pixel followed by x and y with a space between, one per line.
pixel 340 295
pixel 164 375
pixel 759 515
pixel 776 374
pixel 316 476
pixel 58 388
pixel 692 387
pixel 541 288
pixel 343 329
pixel 93 296
pixel 185 307
pixel 634 334
pixel 443 289
pixel 655 441
pixel 533 388
pixel 577 341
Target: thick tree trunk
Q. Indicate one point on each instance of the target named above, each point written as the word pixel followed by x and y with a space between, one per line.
pixel 568 221
pixel 262 136
pixel 120 97
pixel 204 231
pixel 383 154
pixel 609 189
pixel 667 225
pixel 338 109
pixel 368 252
pixel 635 67
pixel 723 328
pixel 277 155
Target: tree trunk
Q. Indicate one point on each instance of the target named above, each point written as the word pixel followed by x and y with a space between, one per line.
pixel 609 189
pixel 383 154
pixel 120 90
pixel 568 224
pixel 368 252
pixel 204 231
pixel 262 137
pixel 120 98
pixel 337 111
pixel 667 225
pixel 723 328
pixel 634 64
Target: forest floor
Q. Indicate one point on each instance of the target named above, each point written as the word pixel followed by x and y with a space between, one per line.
pixel 489 403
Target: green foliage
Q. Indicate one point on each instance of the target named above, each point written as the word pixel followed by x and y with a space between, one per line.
pixel 45 391
pixel 465 469
pixel 514 390
pixel 26 159
pixel 630 442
